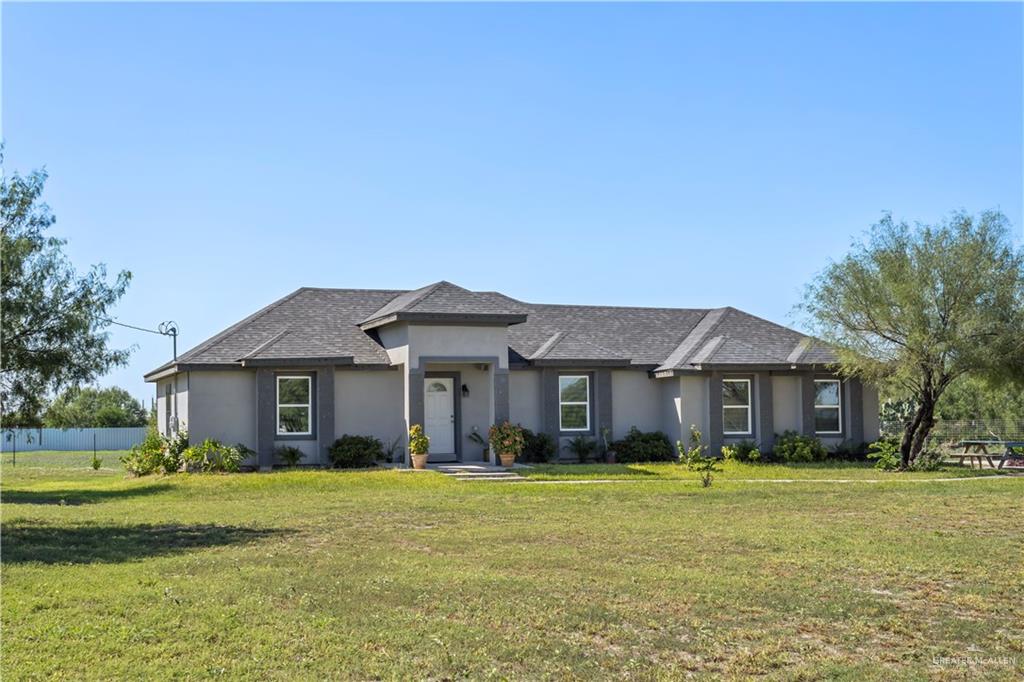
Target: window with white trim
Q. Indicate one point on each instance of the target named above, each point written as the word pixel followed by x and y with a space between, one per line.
pixel 828 415
pixel 294 405
pixel 736 407
pixel 574 402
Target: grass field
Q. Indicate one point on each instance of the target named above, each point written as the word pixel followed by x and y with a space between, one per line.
pixel 384 575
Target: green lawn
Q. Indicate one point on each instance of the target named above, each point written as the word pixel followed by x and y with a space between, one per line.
pixel 821 471
pixel 389 574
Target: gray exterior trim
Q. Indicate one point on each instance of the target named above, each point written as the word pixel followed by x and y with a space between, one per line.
pixel 501 394
pixel 266 408
pixel 415 398
pixel 844 411
pixel 467 319
pixel 164 372
pixel 549 401
pixel 807 403
pixel 754 433
pixel 325 411
pixel 314 397
pixel 715 428
pixel 765 425
pixel 456 405
pixel 580 363
pixel 855 423
pixel 459 360
pixel 603 395
pixel 592 418
pixel 297 362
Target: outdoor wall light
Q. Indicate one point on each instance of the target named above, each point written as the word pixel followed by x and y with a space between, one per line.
pixel 465 391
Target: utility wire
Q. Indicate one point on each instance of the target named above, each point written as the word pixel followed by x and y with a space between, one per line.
pixel 131 326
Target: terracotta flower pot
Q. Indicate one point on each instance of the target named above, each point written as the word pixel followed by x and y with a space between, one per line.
pixel 507 459
pixel 419 461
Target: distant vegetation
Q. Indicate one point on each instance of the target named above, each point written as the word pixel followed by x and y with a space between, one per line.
pixel 94 408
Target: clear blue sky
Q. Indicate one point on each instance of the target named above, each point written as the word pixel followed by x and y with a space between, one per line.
pixel 667 155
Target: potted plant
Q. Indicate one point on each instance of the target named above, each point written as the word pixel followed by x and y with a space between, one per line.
pixel 507 441
pixel 419 446
pixel 479 440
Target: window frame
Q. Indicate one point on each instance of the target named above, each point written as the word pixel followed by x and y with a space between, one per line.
pixel 749 407
pixel 561 402
pixel 278 405
pixel 838 408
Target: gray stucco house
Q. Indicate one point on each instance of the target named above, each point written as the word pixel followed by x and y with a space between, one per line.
pixel 320 363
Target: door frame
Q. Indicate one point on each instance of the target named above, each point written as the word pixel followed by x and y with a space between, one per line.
pixel 456 405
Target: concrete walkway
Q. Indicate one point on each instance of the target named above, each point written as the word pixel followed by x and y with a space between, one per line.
pixel 476 472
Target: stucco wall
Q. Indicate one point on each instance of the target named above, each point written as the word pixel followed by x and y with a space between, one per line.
pixel 223 406
pixel 871 425
pixel 636 401
pixel 694 406
pixel 369 403
pixel 457 341
pixel 786 403
pixel 524 398
pixel 670 408
pixel 180 384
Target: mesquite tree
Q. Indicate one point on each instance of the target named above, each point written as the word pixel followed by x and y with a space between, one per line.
pixel 913 309
pixel 52 334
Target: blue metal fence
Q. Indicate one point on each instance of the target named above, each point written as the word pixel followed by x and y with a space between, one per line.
pixel 29 440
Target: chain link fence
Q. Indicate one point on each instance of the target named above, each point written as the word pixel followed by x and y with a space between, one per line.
pixel 946 432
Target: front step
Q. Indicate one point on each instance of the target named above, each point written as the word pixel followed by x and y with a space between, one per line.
pixel 477 472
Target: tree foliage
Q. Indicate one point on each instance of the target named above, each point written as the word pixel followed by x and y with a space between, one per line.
pixel 52 333
pixel 915 309
pixel 94 408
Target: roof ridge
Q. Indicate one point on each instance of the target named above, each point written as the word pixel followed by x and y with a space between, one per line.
pixel 604 307
pixel 692 341
pixel 547 346
pixel 266 344
pixel 216 338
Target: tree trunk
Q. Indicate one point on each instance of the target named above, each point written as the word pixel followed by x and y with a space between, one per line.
pixel 917 431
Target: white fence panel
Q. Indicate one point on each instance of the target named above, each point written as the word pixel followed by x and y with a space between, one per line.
pixel 30 440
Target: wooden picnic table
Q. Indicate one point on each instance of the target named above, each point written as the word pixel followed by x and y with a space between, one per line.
pixel 976 452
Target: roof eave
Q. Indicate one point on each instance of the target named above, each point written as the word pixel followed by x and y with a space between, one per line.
pixel 581 362
pixel 299 362
pixel 469 319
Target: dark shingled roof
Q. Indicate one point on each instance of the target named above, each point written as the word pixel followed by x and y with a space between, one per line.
pixel 325 323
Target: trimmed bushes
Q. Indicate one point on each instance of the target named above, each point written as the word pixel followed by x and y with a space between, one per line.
pixel 211 456
pixel 537 447
pixel 356 452
pixel 744 451
pixel 794 447
pixel 640 446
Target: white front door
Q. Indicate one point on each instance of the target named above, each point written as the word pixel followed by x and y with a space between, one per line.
pixel 439 416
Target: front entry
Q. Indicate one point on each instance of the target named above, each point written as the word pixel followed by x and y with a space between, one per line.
pixel 439 422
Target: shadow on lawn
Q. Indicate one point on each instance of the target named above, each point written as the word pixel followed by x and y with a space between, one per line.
pixel 51 544
pixel 75 497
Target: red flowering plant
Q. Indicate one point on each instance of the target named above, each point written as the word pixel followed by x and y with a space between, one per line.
pixel 506 439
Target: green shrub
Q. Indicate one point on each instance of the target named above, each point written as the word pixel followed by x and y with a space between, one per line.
pixel 210 456
pixel 506 439
pixel 928 460
pixel 356 452
pixel 850 451
pixel 744 451
pixel 886 453
pixel 289 455
pixel 538 447
pixel 794 447
pixel 581 446
pixel 640 446
pixel 174 445
pixel 146 457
